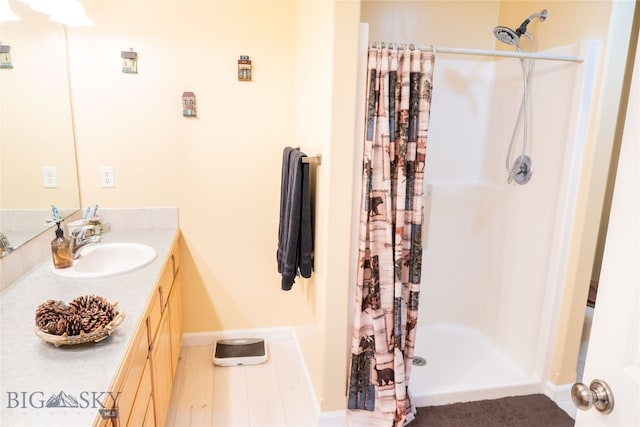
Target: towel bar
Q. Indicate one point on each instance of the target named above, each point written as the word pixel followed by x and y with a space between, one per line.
pixel 317 159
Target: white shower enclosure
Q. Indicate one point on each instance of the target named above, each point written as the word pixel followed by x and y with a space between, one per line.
pixel 495 254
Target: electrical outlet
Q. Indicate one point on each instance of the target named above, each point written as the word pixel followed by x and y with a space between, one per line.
pixel 49 177
pixel 106 176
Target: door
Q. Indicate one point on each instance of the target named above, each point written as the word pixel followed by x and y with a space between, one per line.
pixel 614 344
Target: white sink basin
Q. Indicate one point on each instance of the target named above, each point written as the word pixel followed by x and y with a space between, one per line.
pixel 107 259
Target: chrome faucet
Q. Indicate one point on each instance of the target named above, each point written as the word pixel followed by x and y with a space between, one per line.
pixel 5 246
pixel 82 237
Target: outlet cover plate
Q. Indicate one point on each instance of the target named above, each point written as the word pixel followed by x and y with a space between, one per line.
pixel 106 177
pixel 49 177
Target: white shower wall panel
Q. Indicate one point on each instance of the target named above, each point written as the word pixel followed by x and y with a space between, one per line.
pixel 532 214
pixel 460 107
pixel 494 256
pixel 459 279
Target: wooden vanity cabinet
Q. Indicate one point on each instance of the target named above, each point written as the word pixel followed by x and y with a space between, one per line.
pixel 143 382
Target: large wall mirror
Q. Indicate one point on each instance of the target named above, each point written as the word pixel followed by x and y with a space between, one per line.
pixel 36 128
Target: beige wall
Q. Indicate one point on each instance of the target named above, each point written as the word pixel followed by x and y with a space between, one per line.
pixel 327 34
pixel 222 169
pixel 440 23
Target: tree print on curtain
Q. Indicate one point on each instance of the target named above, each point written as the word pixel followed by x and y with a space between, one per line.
pixel 390 235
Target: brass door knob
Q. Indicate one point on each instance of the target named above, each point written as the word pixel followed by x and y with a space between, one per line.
pixel 598 394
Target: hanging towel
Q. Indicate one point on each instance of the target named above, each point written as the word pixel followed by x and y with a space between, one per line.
pixel 295 238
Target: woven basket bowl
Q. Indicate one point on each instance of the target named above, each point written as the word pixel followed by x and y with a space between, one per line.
pixel 96 336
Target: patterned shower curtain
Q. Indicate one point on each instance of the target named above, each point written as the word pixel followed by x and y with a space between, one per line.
pixel 390 235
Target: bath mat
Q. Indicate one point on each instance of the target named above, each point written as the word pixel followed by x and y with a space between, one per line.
pixel 535 410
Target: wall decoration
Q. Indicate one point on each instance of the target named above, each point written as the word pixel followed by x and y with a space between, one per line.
pixel 189 104
pixel 244 68
pixel 129 61
pixel 5 56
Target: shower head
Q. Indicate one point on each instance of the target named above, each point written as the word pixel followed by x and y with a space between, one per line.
pixel 512 37
pixel 507 35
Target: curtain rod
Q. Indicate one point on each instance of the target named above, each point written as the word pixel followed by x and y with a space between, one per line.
pixel 486 52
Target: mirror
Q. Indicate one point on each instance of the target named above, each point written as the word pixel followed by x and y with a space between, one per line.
pixel 36 128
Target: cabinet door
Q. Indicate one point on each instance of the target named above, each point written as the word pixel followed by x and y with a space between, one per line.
pixel 136 362
pixel 161 370
pixel 143 397
pixel 175 313
pixel 149 418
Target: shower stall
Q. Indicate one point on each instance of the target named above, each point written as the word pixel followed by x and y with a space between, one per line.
pixel 495 252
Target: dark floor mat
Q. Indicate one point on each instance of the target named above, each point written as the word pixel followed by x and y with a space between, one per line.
pixel 535 410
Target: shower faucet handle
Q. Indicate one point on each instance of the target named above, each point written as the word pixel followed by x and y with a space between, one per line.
pixel 521 170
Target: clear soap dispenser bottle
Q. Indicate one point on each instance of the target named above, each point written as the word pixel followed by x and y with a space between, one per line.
pixel 61 250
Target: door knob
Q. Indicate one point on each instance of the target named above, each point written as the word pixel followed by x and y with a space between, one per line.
pixel 598 394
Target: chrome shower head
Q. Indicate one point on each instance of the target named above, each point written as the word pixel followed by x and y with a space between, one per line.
pixel 512 37
pixel 507 35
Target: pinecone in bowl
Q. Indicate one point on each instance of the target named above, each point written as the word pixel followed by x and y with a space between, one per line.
pixel 83 315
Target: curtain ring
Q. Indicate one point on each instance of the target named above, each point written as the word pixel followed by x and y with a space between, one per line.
pixel 433 48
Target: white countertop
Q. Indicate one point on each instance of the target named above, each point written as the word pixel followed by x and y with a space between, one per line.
pixel 31 370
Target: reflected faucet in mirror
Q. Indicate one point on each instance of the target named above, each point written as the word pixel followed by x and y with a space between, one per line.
pixel 5 245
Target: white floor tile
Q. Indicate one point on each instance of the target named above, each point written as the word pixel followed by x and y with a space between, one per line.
pixel 269 394
pixel 193 392
pixel 267 414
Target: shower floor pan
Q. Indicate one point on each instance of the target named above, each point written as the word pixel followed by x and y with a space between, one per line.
pixel 462 366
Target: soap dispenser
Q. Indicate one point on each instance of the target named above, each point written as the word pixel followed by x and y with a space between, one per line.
pixel 61 250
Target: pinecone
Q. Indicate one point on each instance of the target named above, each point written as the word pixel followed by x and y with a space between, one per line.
pixel 61 326
pixel 74 324
pixel 95 311
pixel 49 314
pixel 85 314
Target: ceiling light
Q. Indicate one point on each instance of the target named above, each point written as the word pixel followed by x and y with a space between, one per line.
pixel 70 12
pixel 6 14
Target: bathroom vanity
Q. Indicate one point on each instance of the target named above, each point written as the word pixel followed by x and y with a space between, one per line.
pixel 125 379
pixel 142 385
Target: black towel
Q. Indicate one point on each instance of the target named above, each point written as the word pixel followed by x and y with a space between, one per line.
pixel 295 238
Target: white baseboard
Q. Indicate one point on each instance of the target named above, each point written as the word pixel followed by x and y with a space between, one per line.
pixel 191 339
pixel 561 395
pixel 332 419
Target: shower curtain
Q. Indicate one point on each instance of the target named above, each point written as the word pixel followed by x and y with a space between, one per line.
pixel 390 233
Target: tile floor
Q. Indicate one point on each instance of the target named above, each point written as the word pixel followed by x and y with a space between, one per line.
pixel 270 394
